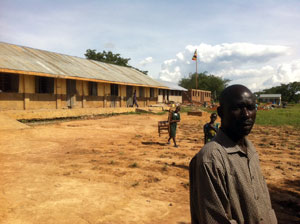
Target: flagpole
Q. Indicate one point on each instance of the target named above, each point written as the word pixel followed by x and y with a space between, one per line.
pixel 197 72
pixel 195 58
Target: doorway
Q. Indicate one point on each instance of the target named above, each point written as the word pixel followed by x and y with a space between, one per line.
pixel 114 93
pixel 71 92
pixel 129 93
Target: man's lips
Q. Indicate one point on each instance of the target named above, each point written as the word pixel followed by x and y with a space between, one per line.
pixel 247 124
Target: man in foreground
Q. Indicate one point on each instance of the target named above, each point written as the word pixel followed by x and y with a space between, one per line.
pixel 226 184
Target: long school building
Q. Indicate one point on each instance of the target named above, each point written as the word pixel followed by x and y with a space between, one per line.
pixel 36 79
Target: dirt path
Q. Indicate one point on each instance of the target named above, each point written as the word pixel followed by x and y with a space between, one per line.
pixel 117 170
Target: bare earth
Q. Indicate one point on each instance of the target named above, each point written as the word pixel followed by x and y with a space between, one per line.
pixel 118 170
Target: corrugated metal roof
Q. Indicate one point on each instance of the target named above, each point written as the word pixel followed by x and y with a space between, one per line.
pixel 269 95
pixel 171 85
pixel 14 57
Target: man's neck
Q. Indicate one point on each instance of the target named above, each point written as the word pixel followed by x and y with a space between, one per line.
pixel 240 141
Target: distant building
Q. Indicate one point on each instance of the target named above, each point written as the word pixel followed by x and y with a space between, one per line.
pixel 270 98
pixel 197 96
pixel 36 79
pixel 173 94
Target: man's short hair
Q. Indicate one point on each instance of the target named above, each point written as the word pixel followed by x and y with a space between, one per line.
pixel 228 93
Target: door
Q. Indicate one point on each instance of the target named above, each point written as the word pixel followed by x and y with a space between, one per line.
pixel 129 93
pixel 71 92
pixel 114 93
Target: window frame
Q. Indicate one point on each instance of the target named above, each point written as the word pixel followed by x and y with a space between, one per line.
pixel 44 85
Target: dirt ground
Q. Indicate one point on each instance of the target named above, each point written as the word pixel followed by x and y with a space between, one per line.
pixel 118 170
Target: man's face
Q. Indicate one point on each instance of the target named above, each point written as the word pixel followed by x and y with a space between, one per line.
pixel 239 114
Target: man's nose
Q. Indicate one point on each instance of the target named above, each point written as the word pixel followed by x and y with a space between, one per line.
pixel 245 112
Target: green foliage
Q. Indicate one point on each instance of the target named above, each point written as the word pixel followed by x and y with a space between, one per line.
pixel 107 57
pixel 110 57
pixel 145 72
pixel 287 91
pixel 280 116
pixel 209 82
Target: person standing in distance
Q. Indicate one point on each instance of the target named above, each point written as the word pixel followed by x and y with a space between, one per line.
pixel 210 129
pixel 173 120
pixel 134 99
pixel 226 183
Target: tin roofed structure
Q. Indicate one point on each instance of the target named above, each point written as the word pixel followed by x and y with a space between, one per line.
pixel 173 94
pixel 38 79
pixel 270 98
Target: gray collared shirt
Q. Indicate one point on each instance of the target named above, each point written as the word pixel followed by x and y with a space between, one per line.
pixel 226 185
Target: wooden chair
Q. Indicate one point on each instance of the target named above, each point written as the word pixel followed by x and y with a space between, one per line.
pixel 164 125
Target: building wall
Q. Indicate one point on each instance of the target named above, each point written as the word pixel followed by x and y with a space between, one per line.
pixel 176 99
pixel 26 97
pixel 13 100
pixel 37 100
pixel 171 95
pixel 273 100
pixel 197 96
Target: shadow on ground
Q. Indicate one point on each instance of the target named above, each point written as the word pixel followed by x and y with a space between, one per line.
pixel 286 203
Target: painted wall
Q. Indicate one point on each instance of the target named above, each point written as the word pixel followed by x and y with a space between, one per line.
pixel 27 99
pixel 37 100
pixel 172 98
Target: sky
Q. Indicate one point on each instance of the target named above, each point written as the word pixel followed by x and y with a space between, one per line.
pixel 255 43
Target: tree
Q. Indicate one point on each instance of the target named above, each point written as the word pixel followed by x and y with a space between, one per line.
pixel 209 82
pixel 109 57
pixel 289 92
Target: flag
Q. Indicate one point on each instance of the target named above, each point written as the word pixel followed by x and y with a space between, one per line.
pixel 195 56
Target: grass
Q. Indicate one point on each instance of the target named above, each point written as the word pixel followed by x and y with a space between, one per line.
pixel 280 116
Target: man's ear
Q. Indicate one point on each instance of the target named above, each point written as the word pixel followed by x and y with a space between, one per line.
pixel 220 111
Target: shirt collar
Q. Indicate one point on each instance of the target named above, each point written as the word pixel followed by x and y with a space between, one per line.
pixel 232 147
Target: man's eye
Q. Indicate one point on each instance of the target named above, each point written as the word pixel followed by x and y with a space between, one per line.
pixel 235 108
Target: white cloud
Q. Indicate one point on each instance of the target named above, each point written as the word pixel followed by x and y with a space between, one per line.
pixel 146 61
pixel 286 72
pixel 245 63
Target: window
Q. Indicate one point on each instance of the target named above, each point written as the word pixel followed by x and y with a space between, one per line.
pixel 114 90
pixel 44 84
pixel 9 83
pixel 141 90
pixel 93 89
pixel 151 92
